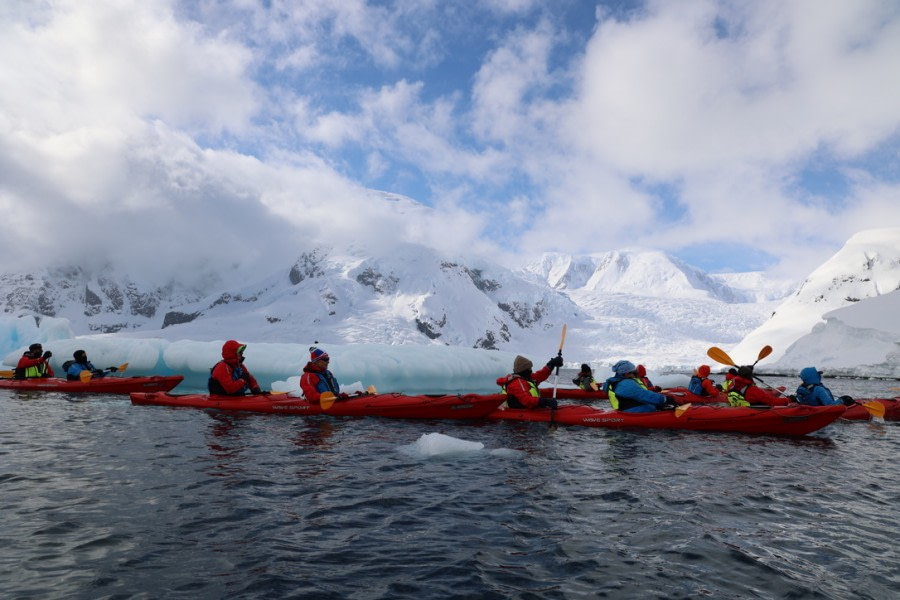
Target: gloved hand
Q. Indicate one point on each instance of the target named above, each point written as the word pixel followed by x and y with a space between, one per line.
pixel 255 390
pixel 555 362
pixel 343 396
pixel 670 401
pixel 47 354
pixel 112 369
pixel 549 403
pixel 719 387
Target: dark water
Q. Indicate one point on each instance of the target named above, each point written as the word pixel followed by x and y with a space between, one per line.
pixel 101 499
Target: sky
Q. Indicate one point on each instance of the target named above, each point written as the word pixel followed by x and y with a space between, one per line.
pixel 176 136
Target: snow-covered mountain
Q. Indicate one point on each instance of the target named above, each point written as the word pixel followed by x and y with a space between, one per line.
pixel 644 306
pixel 867 266
pixel 639 273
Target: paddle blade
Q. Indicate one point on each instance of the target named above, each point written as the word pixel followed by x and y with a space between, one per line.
pixel 122 367
pixel 720 356
pixel 85 376
pixel 594 386
pixel 562 339
pixel 764 352
pixel 371 390
pixel 7 374
pixel 876 409
pixel 680 410
pixel 326 400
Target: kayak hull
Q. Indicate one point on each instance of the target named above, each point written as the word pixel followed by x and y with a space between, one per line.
pixel 394 405
pixel 792 420
pixel 857 412
pixel 99 385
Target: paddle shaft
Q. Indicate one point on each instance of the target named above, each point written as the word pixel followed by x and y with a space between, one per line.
pixel 562 341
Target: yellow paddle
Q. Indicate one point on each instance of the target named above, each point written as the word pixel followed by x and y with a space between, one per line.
pixel 86 376
pixel 7 374
pixel 326 400
pixel 681 409
pixel 876 409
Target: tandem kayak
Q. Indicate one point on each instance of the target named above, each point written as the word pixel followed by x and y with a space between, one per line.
pixel 97 385
pixel 794 419
pixel 394 405
pixel 858 412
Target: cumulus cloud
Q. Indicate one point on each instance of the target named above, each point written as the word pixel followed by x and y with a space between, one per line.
pixel 175 134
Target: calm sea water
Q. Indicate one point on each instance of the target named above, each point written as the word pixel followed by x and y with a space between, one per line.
pixel 102 499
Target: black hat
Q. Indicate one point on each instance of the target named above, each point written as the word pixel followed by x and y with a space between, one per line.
pixel 35 347
pixel 746 372
pixel 585 368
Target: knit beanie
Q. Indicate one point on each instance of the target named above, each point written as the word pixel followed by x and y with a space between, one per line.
pixel 521 364
pixel 623 367
pixel 317 354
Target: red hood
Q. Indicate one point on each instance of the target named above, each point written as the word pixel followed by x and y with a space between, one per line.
pixel 229 350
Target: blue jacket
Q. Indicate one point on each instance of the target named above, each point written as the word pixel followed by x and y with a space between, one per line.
pixel 812 392
pixel 73 373
pixel 630 392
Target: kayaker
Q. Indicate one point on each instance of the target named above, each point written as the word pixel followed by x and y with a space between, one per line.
pixel 81 363
pixel 521 386
pixel 34 364
pixel 628 393
pixel 812 391
pixel 585 378
pixel 743 392
pixel 701 384
pixel 230 377
pixel 642 375
pixel 317 379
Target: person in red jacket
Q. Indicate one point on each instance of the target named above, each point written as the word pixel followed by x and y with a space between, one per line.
pixel 230 377
pixel 317 379
pixel 701 384
pixel 35 363
pixel 642 375
pixel 743 392
pixel 521 386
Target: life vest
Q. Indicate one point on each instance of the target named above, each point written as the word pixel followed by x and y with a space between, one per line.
pixel 625 403
pixel 32 372
pixel 213 384
pixel 806 394
pixel 736 395
pixel 511 400
pixel 584 382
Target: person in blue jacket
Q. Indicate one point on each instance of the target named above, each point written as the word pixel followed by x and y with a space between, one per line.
pixel 812 392
pixel 81 363
pixel 628 393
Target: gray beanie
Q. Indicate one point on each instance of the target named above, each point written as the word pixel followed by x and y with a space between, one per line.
pixel 623 367
pixel 521 364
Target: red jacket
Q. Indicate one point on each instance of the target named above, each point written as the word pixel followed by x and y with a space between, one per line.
pixel 756 395
pixel 231 374
pixel 26 362
pixel 520 388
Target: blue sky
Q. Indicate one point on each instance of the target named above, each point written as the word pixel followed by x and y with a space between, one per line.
pixel 734 135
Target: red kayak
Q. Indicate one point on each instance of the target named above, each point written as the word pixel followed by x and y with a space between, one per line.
pixel 795 419
pixel 574 394
pixel 682 395
pixel 858 412
pixel 97 385
pixel 399 406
